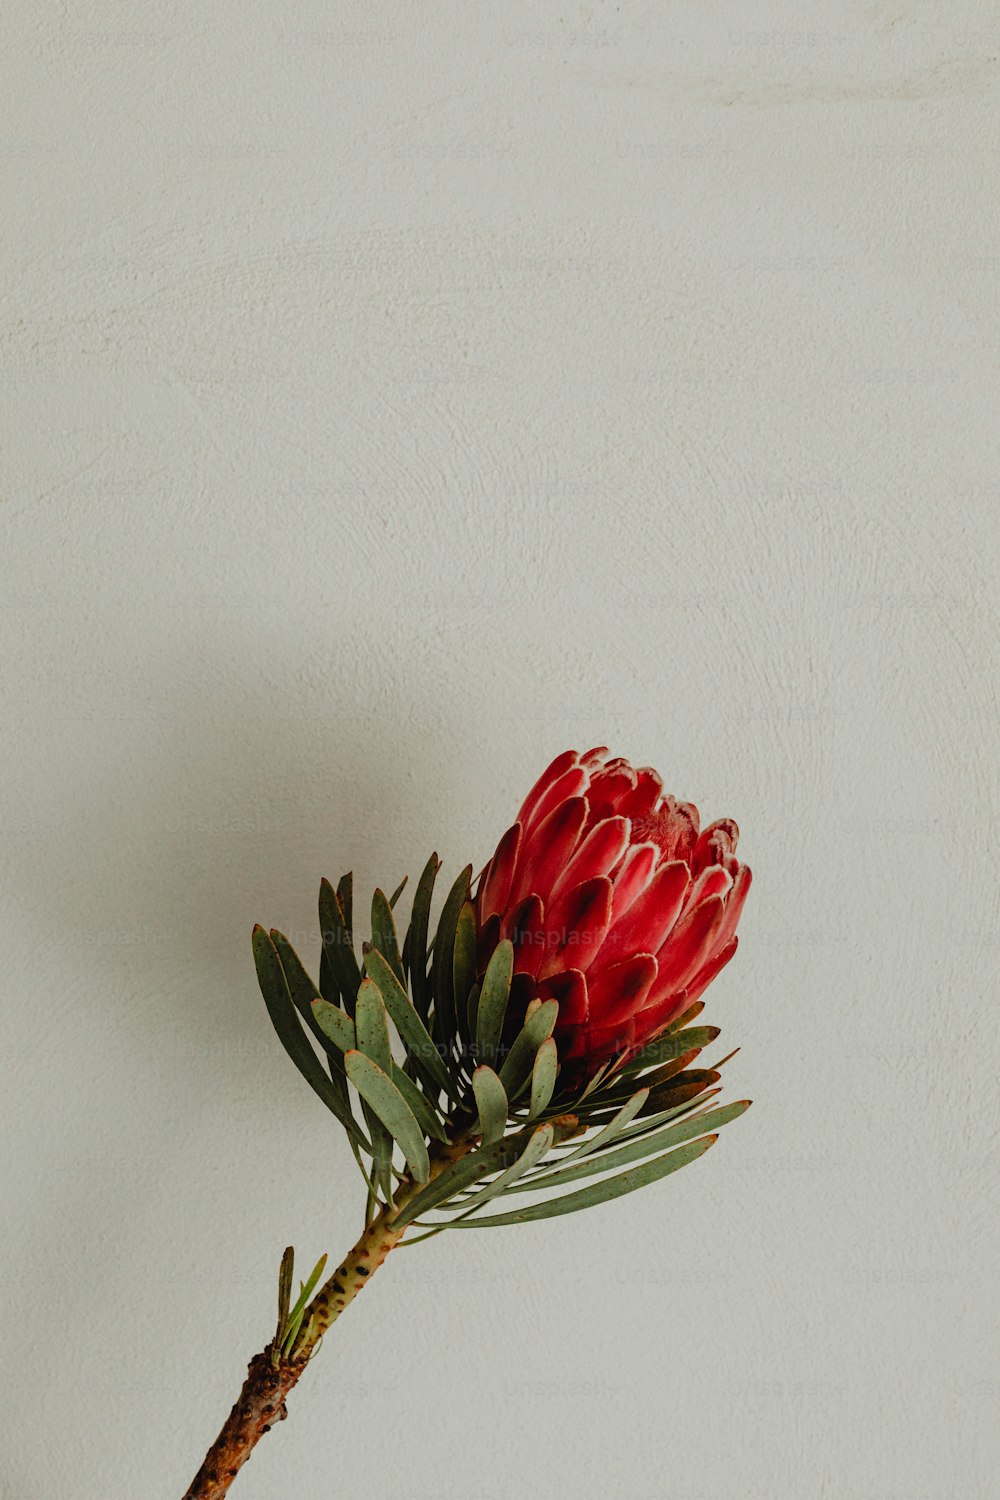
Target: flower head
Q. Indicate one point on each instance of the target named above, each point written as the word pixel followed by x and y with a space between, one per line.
pixel 619 905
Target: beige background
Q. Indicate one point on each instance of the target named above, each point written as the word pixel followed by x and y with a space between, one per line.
pixel 392 396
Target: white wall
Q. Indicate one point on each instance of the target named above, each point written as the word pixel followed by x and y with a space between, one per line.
pixel 393 396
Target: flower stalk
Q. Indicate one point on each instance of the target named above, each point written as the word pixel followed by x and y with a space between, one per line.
pixel 271 1375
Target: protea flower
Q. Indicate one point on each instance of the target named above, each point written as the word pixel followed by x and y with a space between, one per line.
pixel 541 1044
pixel 617 905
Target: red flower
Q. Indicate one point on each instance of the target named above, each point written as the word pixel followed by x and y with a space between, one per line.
pixel 617 906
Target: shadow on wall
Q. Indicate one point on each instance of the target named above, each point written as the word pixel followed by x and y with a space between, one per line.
pixel 169 830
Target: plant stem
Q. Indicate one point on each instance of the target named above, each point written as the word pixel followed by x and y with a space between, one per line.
pixel 261 1402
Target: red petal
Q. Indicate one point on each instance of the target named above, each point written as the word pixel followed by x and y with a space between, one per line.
pixel 548 849
pixel 495 888
pixel 735 902
pixel 608 787
pixel 569 784
pixel 551 773
pixel 600 851
pixel 570 989
pixel 708 972
pixel 688 945
pixel 576 926
pixel 714 843
pixel 594 757
pixel 524 925
pixel 633 877
pixel 656 1018
pixel 621 989
pixel 489 936
pixel 713 881
pixel 644 796
pixel 688 819
pixel 599 1042
pixel 644 927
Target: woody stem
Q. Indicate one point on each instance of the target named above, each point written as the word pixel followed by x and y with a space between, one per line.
pixel 270 1376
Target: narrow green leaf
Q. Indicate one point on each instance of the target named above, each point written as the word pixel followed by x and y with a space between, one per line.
pixel 662 1140
pixel 381 1155
pixel 338 947
pixel 300 986
pixel 345 895
pixel 473 1011
pixel 328 986
pixel 653 1079
pixel 457 1177
pixel 493 1001
pixel 594 1084
pixel 597 1192
pixel 613 1128
pixel 335 1024
pixel 539 1145
pixel 285 1020
pixel 426 1115
pixel 543 1077
pixel 303 993
pixel 401 887
pixel 379 1091
pixel 669 1046
pixel 297 1313
pixel 412 1031
pixel 464 963
pixel 372 1026
pixel 384 937
pixel 645 1123
pixel 442 969
pixel 518 1063
pixel 372 1029
pixel 417 936
pixel 491 1101
pixel 285 1275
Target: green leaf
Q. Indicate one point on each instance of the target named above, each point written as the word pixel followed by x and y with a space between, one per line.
pixel 300 987
pixel 284 1293
pixel 416 939
pixel 379 1091
pixel 491 1101
pixel 613 1128
pixel 285 1020
pixel 345 895
pixel 426 1115
pixel 674 1044
pixel 539 1145
pixel 598 1192
pixel 298 1311
pixel 328 986
pixel 372 1025
pixel 493 1001
pixel 520 1059
pixel 335 1024
pixel 401 887
pixel 620 1156
pixel 444 954
pixel 457 1177
pixel 372 1028
pixel 338 947
pixel 384 934
pixel 645 1123
pixel 543 1077
pixel 473 1011
pixel 412 1031
pixel 464 963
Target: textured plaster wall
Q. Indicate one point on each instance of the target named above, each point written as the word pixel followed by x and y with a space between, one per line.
pixel 392 396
